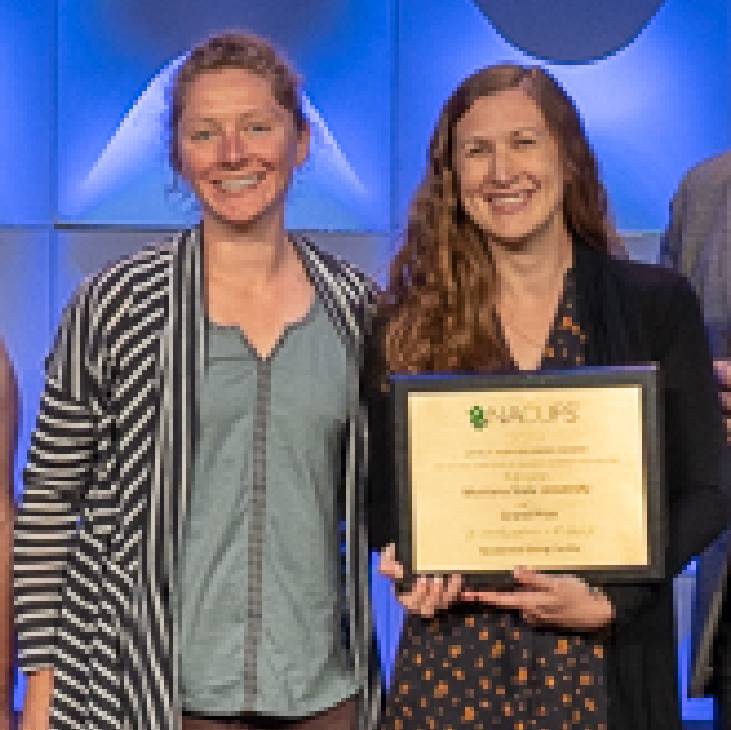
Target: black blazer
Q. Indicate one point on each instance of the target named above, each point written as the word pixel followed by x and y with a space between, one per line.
pixel 632 313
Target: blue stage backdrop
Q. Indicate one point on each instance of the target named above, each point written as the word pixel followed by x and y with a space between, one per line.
pixel 82 133
pixel 651 110
pixel 27 67
pixel 114 64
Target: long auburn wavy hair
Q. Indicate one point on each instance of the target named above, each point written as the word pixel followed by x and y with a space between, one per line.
pixel 437 312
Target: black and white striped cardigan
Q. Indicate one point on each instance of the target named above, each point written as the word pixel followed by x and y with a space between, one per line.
pixel 107 480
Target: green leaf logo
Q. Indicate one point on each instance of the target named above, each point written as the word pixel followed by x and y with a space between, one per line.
pixel 477 417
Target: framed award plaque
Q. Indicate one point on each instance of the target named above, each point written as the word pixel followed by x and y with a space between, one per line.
pixel 559 471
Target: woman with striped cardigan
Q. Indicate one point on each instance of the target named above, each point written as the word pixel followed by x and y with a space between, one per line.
pixel 198 452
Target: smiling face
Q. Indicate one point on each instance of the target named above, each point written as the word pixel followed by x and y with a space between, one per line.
pixel 510 169
pixel 238 147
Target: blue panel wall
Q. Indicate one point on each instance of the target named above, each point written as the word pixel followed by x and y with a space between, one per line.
pixel 651 111
pixel 24 315
pixel 112 157
pixel 27 69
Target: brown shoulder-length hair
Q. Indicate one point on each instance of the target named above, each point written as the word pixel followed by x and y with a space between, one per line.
pixel 237 50
pixel 437 313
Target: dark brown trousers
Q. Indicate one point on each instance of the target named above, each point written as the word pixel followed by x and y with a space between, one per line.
pixel 340 717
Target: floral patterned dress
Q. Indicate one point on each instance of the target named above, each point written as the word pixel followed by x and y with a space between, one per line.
pixel 487 669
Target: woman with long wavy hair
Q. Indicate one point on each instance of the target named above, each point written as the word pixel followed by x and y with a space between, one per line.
pixel 509 263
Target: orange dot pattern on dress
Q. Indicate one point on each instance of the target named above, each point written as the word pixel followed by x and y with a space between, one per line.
pixel 489 670
pixel 539 680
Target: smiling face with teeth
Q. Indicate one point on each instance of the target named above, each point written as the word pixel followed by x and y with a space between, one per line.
pixel 239 149
pixel 510 169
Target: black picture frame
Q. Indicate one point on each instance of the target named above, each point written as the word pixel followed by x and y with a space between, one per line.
pixel 646 376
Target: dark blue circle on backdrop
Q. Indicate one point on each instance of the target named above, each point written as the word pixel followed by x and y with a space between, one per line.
pixel 569 31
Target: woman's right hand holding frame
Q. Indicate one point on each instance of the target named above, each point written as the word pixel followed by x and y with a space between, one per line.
pixel 426 595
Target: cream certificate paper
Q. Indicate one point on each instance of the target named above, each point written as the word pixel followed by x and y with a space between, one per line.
pixel 551 478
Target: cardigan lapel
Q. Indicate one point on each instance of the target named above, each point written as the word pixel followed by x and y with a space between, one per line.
pixel 600 308
pixel 182 351
pixel 343 298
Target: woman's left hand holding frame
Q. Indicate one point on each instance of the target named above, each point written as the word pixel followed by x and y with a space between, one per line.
pixel 561 601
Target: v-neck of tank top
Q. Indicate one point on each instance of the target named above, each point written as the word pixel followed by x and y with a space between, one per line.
pixel 285 333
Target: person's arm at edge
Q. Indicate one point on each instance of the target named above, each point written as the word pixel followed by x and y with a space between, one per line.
pixel 8 432
pixel 671 242
pixel 697 504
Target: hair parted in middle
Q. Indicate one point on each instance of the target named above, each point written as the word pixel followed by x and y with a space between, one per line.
pixel 438 311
